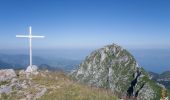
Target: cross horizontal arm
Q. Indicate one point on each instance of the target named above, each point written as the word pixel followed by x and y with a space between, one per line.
pixel 26 36
pixel 37 36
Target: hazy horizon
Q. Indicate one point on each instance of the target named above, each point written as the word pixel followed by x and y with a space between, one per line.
pixel 155 60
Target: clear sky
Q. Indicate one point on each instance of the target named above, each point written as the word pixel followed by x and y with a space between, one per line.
pixel 84 24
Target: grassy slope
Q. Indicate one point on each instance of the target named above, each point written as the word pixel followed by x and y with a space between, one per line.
pixel 59 87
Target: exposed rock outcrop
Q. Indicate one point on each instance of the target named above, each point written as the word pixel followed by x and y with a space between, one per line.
pixel 7 74
pixel 113 67
pixel 19 85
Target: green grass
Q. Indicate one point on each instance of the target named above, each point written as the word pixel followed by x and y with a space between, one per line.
pixel 63 88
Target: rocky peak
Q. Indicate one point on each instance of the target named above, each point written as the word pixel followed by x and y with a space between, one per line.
pixel 113 67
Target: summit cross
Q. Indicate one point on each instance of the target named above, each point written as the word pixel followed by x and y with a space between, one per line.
pixel 30 36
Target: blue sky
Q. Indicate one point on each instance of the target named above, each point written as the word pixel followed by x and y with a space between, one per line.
pixel 73 28
pixel 85 24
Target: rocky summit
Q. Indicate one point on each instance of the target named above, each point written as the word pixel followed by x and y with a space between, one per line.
pixel 114 68
pixel 49 85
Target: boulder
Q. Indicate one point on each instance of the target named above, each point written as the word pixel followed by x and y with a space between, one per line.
pixel 32 69
pixel 7 74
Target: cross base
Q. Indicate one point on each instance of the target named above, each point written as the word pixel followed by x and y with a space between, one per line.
pixel 32 69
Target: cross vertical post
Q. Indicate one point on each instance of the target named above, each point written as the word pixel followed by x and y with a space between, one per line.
pixel 30 44
pixel 30 36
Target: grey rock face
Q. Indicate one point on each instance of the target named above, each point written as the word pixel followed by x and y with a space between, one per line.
pixel 5 89
pixel 10 83
pixel 113 67
pixel 7 74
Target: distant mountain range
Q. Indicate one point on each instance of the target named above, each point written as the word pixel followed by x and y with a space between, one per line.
pixel 22 61
pixel 163 78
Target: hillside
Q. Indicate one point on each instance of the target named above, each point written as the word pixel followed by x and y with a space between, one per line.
pixel 163 78
pixel 153 75
pixel 113 67
pixel 49 85
pixel 165 74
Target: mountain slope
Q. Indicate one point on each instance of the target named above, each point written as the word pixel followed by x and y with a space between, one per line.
pixel 112 67
pixel 165 74
pixel 163 78
pixel 153 75
pixel 49 85
pixel 22 61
